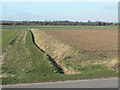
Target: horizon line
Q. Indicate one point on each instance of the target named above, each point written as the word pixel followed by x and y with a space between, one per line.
pixel 61 20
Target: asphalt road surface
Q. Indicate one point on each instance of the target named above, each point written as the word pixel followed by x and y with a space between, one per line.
pixel 93 83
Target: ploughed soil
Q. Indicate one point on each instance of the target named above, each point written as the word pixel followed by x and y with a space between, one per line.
pixel 103 42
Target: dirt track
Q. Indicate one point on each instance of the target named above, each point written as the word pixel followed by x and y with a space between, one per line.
pixel 92 41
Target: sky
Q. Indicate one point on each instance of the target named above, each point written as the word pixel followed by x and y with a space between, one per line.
pixel 72 11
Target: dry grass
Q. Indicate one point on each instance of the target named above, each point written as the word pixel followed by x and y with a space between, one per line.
pixel 113 63
pixel 19 37
pixel 8 76
pixel 25 36
pixel 55 48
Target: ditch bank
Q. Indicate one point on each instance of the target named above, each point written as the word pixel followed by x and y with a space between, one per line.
pixel 55 49
pixel 49 57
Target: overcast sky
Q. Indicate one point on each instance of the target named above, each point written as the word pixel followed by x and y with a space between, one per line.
pixel 73 11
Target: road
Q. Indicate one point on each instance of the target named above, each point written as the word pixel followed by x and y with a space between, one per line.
pixel 94 83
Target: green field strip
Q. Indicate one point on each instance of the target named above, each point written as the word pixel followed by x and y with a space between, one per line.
pixel 7 36
pixel 57 27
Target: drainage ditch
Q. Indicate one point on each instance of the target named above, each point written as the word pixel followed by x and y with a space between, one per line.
pixel 49 57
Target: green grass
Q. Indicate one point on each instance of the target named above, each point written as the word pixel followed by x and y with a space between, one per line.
pixel 25 63
pixel 42 27
pixel 7 36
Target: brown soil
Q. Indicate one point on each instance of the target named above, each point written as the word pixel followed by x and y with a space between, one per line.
pixel 92 41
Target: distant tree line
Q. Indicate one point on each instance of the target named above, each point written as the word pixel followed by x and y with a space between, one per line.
pixel 62 23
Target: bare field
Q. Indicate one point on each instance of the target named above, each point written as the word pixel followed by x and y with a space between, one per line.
pixel 91 49
pixel 104 42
